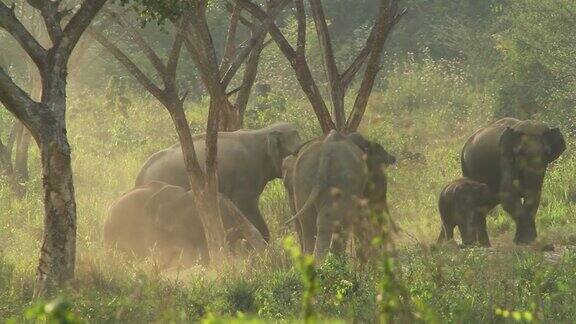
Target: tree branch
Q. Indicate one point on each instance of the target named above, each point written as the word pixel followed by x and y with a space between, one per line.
pixel 388 16
pixel 301 21
pixel 203 35
pixel 299 65
pixel 230 7
pixel 208 75
pixel 19 103
pixel 140 41
pixel 128 64
pixel 52 17
pixel 352 70
pixel 250 73
pixel 12 25
pixel 230 46
pixel 174 56
pixel 77 25
pixel 274 31
pixel 325 42
pixel 258 35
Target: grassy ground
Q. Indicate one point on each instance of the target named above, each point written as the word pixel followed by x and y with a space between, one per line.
pixel 422 119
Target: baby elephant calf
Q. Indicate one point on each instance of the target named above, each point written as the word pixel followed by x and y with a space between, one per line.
pixel 465 203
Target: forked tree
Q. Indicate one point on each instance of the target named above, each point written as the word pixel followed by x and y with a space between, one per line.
pixel 192 30
pixel 169 95
pixel 14 153
pixel 46 121
pixel 339 81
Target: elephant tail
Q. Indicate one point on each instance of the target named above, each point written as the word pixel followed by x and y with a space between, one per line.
pixel 322 176
pixel 314 194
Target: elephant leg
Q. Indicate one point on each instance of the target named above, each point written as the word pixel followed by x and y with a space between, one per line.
pixel 339 239
pixel 482 231
pixel 525 230
pixel 326 224
pixel 513 206
pixel 308 231
pixel 248 205
pixel 526 222
pixel 298 229
pixel 446 233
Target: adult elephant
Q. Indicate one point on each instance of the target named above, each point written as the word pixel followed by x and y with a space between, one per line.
pixel 162 220
pixel 327 181
pixel 511 157
pixel 247 161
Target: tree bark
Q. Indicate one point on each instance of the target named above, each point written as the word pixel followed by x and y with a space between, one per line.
pixel 204 187
pixel 21 159
pixel 46 121
pixel 58 253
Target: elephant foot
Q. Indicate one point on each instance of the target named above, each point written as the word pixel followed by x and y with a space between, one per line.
pixel 525 232
pixel 485 244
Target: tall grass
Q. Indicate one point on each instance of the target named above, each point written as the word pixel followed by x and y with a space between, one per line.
pixel 423 117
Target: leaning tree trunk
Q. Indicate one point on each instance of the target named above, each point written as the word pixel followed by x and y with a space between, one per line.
pixel 58 253
pixel 204 187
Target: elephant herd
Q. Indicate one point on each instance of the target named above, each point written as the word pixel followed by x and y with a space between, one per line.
pixel 330 182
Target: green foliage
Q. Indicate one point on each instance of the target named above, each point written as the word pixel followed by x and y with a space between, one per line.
pixel 58 311
pixel 538 51
pixel 305 266
pixel 426 106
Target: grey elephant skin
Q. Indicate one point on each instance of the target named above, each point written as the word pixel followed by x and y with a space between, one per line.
pixel 161 220
pixel 511 156
pixel 327 181
pixel 247 161
pixel 465 203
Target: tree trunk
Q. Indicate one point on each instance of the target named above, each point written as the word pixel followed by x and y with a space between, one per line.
pixel 204 188
pixel 230 117
pixel 21 160
pixel 211 181
pixel 8 171
pixel 58 253
pixel 338 109
pixel 307 84
pixel 14 133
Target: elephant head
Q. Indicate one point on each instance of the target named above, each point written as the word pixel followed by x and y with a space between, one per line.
pixel 530 147
pixel 177 224
pixel 284 140
pixel 526 150
pixel 376 155
pixel 177 220
pixel 170 206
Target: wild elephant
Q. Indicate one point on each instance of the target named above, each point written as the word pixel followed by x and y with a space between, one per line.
pixel 511 157
pixel 247 161
pixel 161 219
pixel 327 181
pixel 465 203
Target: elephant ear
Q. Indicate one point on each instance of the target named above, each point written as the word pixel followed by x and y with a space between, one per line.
pixel 273 142
pixel 555 143
pixel 166 195
pixel 509 141
pixel 359 140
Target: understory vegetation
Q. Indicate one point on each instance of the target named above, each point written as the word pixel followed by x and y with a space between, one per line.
pixel 449 68
pixel 423 117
